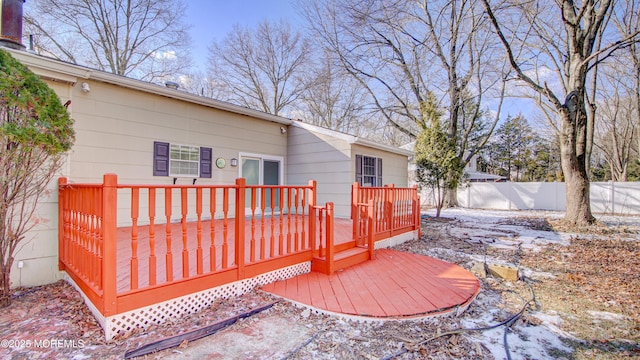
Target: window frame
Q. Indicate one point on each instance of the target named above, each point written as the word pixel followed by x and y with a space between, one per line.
pixel 183 161
pixel 162 160
pixel 360 170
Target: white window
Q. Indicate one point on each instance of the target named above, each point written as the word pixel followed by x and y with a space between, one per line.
pixel 181 160
pixel 184 160
pixel 368 170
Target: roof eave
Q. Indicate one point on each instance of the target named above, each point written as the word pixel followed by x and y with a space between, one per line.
pixel 61 71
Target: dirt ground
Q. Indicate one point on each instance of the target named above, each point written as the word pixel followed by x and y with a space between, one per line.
pixel 577 298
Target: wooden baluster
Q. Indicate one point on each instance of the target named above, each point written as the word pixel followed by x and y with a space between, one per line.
pixel 288 200
pixel 239 236
pixel 72 228
pixel 320 233
pixel 225 228
pixel 263 201
pixel 135 208
pixel 167 214
pixel 296 203
pixel 281 223
pixel 152 236
pixel 212 248
pixel 273 225
pixel 199 259
pixel 93 236
pixel 303 196
pixel 252 250
pixel 82 260
pixel 312 229
pixel 183 222
pixel 97 192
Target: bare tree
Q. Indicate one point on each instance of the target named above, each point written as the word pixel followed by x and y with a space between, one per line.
pixel 144 39
pixel 560 36
pixel 400 50
pixel 627 20
pixel 334 100
pixel 261 68
pixel 618 129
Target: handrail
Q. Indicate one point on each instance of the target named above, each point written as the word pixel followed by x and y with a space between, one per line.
pixel 270 218
pixel 323 246
pixel 395 210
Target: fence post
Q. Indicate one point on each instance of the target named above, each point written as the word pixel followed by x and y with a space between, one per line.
pixel 241 186
pixel 416 210
pixel 312 216
pixel 355 195
pixel 109 261
pixel 354 198
pixel 62 194
pixel 329 228
pixel 613 197
pixel 371 215
pixel 312 192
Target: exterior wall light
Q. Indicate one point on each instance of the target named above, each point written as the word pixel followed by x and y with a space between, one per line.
pixel 234 162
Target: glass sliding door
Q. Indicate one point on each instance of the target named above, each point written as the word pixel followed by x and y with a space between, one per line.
pixel 262 170
pixel 271 176
pixel 251 173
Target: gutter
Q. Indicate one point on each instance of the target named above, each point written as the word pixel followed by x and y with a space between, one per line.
pixel 61 71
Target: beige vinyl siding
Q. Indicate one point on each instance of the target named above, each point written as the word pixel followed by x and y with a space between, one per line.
pixel 39 251
pixel 330 159
pixel 326 159
pixel 116 128
pixel 394 166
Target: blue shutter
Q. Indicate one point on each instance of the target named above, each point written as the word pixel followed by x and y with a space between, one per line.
pixel 359 169
pixel 206 161
pixel 379 172
pixel 160 158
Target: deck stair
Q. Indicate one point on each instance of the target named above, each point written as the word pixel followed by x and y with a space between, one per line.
pixel 344 256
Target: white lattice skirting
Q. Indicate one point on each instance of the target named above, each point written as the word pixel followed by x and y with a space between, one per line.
pixel 396 240
pixel 185 305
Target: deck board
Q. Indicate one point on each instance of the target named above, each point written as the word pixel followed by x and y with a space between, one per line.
pixel 394 285
pixel 217 231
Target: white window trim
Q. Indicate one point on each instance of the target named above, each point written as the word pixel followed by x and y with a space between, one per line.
pixel 262 157
pixel 197 161
pixel 376 167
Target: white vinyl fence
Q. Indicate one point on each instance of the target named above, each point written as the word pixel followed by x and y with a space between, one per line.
pixel 606 197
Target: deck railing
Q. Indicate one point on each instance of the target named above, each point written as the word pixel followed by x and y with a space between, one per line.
pixel 393 210
pixel 129 257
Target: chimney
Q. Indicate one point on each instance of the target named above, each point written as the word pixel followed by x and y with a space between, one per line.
pixel 11 23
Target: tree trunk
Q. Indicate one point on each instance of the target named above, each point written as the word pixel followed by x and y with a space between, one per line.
pixel 5 286
pixel 573 150
pixel 451 197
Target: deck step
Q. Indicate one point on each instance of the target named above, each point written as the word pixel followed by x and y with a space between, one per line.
pixel 341 260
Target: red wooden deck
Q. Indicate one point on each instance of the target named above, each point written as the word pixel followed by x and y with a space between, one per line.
pixel 343 233
pixel 395 284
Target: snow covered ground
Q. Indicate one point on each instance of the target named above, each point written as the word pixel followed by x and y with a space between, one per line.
pixel 512 231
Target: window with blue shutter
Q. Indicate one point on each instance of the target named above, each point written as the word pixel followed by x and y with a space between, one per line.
pixel 206 161
pixel 160 158
pixel 181 160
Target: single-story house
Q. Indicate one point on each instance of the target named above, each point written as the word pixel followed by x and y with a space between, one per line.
pixel 152 134
pixel 169 200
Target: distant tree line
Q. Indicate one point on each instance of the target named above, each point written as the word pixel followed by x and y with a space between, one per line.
pixel 368 67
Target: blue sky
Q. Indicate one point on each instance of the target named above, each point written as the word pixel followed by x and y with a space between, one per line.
pixel 213 19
